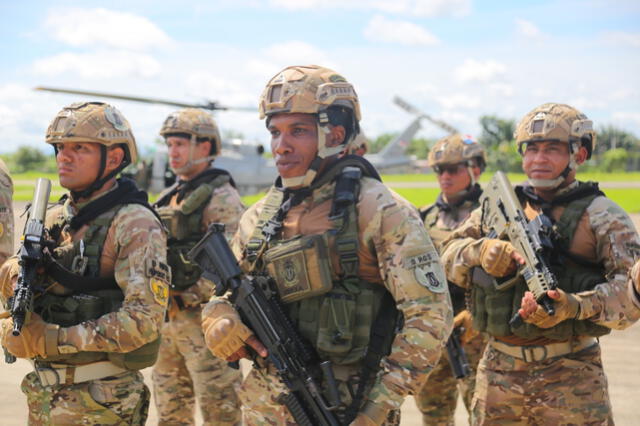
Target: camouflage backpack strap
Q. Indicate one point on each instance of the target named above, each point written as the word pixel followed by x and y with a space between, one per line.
pixel 576 202
pixel 258 242
pixel 429 214
pixel 344 217
pixel 198 199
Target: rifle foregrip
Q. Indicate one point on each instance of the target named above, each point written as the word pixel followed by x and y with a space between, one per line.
pixel 295 408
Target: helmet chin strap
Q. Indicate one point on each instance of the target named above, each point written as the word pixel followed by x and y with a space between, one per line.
pixel 191 162
pixel 323 152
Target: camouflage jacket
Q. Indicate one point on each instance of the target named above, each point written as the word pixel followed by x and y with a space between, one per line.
pixel 134 246
pixel 605 235
pixel 6 213
pixel 225 206
pixel 393 246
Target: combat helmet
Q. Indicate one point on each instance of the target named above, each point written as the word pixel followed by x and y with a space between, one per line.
pixel 196 125
pixel 313 89
pixel 456 149
pixel 95 122
pixel 359 145
pixel 560 123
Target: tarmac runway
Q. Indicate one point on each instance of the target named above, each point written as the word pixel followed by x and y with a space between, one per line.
pixel 621 359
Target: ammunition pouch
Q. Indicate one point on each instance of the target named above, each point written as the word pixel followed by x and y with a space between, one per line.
pixel 494 305
pixel 338 323
pixel 300 267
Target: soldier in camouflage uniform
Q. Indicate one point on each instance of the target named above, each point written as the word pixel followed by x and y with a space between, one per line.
pixel 458 161
pixel 548 370
pixel 341 269
pixel 102 298
pixel 6 213
pixel 186 369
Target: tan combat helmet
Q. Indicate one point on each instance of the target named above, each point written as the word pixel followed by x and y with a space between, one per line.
pixel 95 122
pixel 198 125
pixel 456 149
pixel 560 123
pixel 316 90
pixel 359 145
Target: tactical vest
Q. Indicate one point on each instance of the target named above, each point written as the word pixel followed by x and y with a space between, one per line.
pixel 438 234
pixel 331 306
pixel 184 223
pixel 82 259
pixel 492 308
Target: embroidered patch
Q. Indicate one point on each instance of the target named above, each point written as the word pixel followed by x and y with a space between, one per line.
pixel 160 291
pixel 1 229
pixel 156 269
pixel 421 270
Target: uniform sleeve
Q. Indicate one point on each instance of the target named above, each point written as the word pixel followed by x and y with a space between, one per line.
pixel 617 246
pixel 454 254
pixel 411 271
pixel 224 207
pixel 143 275
pixel 6 215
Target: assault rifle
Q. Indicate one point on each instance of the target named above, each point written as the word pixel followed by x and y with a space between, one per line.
pixel 260 310
pixel 457 357
pixel 503 215
pixel 31 257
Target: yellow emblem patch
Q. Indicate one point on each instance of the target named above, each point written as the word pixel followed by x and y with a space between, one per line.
pixel 1 229
pixel 160 291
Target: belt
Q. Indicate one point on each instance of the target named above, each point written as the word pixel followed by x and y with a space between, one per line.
pixel 58 374
pixel 540 353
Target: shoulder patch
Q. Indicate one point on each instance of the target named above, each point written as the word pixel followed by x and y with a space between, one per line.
pixel 160 291
pixel 421 266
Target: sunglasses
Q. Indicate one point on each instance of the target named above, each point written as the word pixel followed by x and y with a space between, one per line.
pixel 452 169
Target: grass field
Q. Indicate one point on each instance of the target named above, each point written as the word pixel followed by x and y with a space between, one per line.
pixel 627 198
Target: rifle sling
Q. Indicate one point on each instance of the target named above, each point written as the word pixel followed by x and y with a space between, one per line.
pixel 76 282
pixel 380 340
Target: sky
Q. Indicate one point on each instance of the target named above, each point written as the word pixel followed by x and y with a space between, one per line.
pixel 454 59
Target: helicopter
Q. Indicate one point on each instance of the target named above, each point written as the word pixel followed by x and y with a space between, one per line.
pixel 251 169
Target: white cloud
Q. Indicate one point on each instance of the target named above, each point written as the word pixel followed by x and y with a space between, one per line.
pixel 528 29
pixel 400 32
pixel 481 71
pixel 623 38
pixel 209 86
pixel 626 116
pixel 417 8
pixel 502 89
pixel 100 64
pixel 104 28
pixel 458 101
pixel 296 52
pixel 584 103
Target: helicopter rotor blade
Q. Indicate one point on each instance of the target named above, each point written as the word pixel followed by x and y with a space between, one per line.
pixel 415 111
pixel 211 105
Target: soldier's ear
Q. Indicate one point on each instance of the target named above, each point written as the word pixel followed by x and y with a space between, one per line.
pixel 581 155
pixel 115 157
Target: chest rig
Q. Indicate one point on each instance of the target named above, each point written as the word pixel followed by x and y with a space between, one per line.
pixel 85 294
pixel 438 234
pixel 492 308
pixel 184 223
pixel 346 319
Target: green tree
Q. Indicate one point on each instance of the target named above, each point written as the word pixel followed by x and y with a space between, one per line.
pixel 28 158
pixel 497 138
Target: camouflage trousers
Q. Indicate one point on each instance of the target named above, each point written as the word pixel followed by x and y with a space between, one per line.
pixel 438 398
pixel 261 388
pixel 118 400
pixel 566 390
pixel 186 370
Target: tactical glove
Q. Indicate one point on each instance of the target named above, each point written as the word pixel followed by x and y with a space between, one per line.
pixel 496 257
pixel 464 319
pixel 37 338
pixel 635 276
pixel 567 306
pixel 224 332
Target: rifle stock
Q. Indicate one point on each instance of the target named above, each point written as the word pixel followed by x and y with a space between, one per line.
pixel 503 215
pixel 265 317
